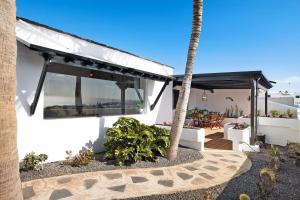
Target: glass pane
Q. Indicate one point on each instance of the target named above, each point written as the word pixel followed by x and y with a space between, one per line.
pixel 73 96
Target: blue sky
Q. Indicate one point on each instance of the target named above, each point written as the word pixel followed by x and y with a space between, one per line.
pixel 237 35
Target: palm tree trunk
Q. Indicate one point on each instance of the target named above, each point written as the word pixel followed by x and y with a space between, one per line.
pixel 184 93
pixel 10 185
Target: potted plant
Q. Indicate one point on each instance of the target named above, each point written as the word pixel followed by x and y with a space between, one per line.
pixel 275 113
pixel 290 113
pixel 140 106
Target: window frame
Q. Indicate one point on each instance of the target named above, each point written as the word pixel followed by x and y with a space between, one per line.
pixel 71 70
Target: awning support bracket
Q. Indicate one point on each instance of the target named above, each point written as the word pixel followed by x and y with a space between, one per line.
pixel 159 95
pixel 33 105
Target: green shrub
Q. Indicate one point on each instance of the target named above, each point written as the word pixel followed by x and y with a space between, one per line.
pixel 84 157
pixel 33 161
pixel 129 141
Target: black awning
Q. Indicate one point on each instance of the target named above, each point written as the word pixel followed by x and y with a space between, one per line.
pixel 65 58
pixel 227 80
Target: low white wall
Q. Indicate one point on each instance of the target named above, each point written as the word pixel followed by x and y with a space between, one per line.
pixel 278 130
pixel 55 136
pixel 277 106
pixel 217 101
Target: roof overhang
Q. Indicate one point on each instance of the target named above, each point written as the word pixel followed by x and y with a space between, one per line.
pixel 64 48
pixel 227 80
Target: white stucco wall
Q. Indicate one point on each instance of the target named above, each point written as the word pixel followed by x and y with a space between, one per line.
pixel 55 136
pixel 279 131
pixel 216 101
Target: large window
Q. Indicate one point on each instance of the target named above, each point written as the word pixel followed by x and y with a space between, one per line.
pixel 76 94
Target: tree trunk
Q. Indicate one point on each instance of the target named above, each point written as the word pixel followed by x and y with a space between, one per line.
pixel 10 185
pixel 78 96
pixel 184 93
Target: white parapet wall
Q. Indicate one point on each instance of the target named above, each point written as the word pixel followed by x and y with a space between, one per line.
pixel 279 130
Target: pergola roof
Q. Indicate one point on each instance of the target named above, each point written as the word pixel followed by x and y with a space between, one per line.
pixel 227 80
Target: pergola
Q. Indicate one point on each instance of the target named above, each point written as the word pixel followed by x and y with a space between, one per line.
pixel 253 80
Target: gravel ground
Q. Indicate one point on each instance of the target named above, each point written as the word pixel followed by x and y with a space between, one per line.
pixel 185 155
pixel 287 186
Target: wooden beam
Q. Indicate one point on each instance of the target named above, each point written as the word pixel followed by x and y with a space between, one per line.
pixel 252 103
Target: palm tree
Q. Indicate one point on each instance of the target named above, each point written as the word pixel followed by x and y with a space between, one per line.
pixel 184 93
pixel 10 185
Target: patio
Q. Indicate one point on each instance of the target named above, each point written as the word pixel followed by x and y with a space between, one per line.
pixel 214 139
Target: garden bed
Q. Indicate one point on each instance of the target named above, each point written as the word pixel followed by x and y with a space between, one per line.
pixel 185 155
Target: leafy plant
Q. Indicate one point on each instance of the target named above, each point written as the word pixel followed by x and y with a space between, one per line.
pixel 258 113
pixel 275 113
pixel 130 141
pixel 140 105
pixel 290 113
pixel 244 197
pixel 33 161
pixel 84 157
pixel 267 181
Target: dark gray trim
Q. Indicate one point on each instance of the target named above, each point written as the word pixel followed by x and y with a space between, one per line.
pixel 47 61
pixel 159 95
pixel 266 103
pixel 252 103
pixel 93 64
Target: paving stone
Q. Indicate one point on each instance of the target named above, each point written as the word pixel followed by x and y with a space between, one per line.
pixel 138 179
pixel 236 155
pixel 89 183
pixel 213 162
pixel 60 194
pixel 229 161
pixel 119 188
pixel 28 192
pixel 184 176
pixel 157 172
pixel 197 181
pixel 232 167
pixel 166 183
pixel 217 155
pixel 191 168
pixel 63 180
pixel 212 168
pixel 205 175
pixel 113 176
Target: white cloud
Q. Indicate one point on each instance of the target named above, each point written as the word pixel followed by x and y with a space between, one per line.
pixel 290 79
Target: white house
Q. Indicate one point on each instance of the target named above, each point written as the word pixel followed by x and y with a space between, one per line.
pixel 69 90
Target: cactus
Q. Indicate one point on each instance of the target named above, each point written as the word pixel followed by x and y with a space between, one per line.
pixel 267 180
pixel 244 197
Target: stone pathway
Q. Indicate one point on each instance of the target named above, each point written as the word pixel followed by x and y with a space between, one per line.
pixel 215 168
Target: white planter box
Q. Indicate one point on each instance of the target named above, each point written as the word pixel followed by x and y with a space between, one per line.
pixel 238 136
pixel 192 138
pixel 226 127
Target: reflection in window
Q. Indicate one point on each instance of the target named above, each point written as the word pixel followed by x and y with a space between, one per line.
pixel 75 96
